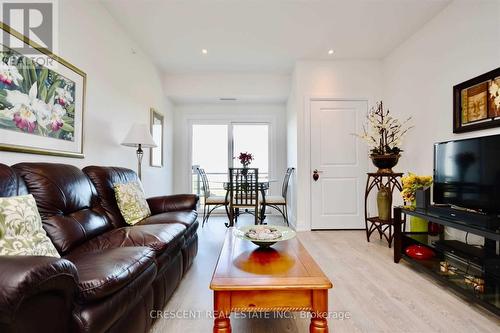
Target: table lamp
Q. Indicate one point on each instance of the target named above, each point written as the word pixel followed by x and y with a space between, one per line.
pixel 139 136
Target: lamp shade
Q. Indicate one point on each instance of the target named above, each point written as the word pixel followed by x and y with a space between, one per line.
pixel 139 135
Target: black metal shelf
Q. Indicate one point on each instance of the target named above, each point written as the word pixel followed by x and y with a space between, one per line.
pixel 490 299
pixel 476 258
pixel 490 232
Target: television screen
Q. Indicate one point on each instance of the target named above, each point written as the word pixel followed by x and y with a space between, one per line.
pixel 467 174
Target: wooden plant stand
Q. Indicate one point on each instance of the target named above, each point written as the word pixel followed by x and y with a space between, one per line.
pixel 375 181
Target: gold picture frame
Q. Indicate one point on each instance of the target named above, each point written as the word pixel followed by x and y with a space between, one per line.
pixel 65 135
pixel 157 128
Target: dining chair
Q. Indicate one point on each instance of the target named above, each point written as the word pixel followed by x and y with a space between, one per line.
pixel 243 192
pixel 279 202
pixel 209 199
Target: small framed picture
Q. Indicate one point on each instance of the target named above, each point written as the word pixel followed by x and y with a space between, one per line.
pixel 157 125
pixel 494 97
pixel 476 103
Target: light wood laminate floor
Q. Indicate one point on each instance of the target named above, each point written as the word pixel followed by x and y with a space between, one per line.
pixel 378 295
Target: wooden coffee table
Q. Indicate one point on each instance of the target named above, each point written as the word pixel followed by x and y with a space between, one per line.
pixel 281 278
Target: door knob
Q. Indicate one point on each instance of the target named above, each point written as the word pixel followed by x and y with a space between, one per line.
pixel 315 175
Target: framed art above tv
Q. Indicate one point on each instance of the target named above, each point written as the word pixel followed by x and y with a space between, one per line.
pixel 476 103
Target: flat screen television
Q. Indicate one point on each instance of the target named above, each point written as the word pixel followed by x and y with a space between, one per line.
pixel 467 174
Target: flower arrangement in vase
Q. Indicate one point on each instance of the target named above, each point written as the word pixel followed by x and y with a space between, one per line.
pixel 384 134
pixel 245 159
pixel 412 183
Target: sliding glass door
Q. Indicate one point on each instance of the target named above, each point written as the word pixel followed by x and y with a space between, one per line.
pixel 254 139
pixel 210 151
pixel 216 146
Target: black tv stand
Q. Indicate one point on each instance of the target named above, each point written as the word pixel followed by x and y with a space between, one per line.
pixel 476 269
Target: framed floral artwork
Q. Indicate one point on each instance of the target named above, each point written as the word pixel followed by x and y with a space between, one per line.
pixel 476 103
pixel 41 99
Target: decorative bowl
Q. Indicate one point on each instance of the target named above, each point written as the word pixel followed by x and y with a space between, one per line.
pixel 419 252
pixel 386 162
pixel 286 234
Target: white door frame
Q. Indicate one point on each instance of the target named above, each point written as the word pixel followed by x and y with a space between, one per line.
pixel 307 172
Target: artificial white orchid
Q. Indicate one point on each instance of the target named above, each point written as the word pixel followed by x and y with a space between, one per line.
pixel 382 132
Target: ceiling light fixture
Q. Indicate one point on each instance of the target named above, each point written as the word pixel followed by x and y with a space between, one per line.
pixel 204 51
pixel 330 51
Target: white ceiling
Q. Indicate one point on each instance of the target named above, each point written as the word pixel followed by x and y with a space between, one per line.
pixel 267 35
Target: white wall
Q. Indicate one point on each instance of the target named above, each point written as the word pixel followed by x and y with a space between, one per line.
pixel 356 79
pixel 461 42
pixel 415 79
pixel 209 87
pixel 121 88
pixel 186 114
pixel 292 111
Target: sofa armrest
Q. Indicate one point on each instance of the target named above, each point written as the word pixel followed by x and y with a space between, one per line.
pixel 48 283
pixel 172 203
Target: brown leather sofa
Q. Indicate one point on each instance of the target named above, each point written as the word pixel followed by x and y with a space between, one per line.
pixel 110 275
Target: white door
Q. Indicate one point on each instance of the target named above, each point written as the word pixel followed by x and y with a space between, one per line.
pixel 337 197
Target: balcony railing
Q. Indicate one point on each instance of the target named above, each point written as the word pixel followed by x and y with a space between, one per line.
pixel 215 181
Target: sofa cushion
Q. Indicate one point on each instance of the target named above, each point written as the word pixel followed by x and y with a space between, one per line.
pixel 171 203
pixel 67 202
pixel 104 272
pixel 104 179
pixel 100 316
pixel 132 202
pixel 10 183
pixel 187 218
pixel 21 231
pixel 159 238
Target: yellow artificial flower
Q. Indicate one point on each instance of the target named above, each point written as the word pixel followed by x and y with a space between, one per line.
pixel 411 183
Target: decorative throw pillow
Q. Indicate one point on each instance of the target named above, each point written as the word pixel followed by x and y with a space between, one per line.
pixel 21 231
pixel 132 202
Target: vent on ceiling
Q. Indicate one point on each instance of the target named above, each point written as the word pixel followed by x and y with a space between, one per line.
pixel 227 99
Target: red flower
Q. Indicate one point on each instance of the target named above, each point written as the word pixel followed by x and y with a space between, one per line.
pixel 245 158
